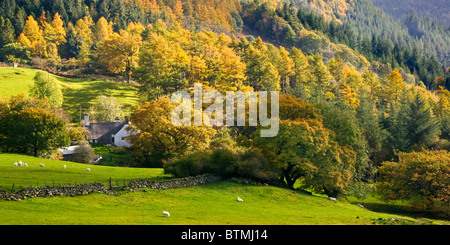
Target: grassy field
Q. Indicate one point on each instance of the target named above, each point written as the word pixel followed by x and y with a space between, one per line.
pixel 76 91
pixel 54 174
pixel 208 204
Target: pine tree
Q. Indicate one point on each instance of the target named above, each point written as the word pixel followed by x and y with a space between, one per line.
pixel 442 111
pixel 83 29
pixel 285 68
pixel 261 73
pixel 101 30
pixel 71 47
pixel 422 126
pixel 394 86
pixel 32 37
pixel 84 37
pixel 6 32
pixel 396 126
pixel 320 76
pixel 58 29
pixel 300 80
pixel 369 119
pixel 336 68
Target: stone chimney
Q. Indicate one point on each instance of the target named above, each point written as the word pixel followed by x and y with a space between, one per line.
pixel 86 119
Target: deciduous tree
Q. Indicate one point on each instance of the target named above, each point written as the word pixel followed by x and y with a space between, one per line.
pixel 155 139
pixel 27 126
pixel 119 53
pixel 45 87
pixel 418 177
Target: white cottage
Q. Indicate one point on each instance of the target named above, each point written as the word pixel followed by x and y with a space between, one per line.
pixel 112 133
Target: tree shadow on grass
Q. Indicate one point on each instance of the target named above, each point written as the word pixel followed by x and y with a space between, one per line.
pixel 404 209
pixel 81 92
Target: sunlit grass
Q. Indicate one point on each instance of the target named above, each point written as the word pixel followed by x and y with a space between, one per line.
pixel 206 204
pixel 77 92
pixel 53 173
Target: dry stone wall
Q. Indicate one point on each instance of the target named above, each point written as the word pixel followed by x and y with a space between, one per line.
pixel 173 183
pixel 84 189
pixel 48 191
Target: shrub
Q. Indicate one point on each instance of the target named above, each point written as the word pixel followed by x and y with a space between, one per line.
pixel 190 165
pixel 423 178
pixel 223 162
pixel 84 154
pixel 253 164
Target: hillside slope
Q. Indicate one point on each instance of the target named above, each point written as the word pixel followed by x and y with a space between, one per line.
pixel 54 174
pixel 207 204
pixel 77 92
pixel 436 9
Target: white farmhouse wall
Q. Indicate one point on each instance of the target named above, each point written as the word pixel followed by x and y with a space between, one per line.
pixel 119 138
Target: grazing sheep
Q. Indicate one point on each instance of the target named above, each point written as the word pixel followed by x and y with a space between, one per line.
pixel 165 213
pixel 41 165
pixel 15 164
pixel 88 169
pixel 26 165
pixel 333 199
pixel 20 163
pixel 64 166
pixel 239 200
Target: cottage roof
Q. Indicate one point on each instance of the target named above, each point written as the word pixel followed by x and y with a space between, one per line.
pixel 102 132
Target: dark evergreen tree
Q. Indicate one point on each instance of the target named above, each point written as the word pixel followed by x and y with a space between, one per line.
pixel 422 126
pixel 6 32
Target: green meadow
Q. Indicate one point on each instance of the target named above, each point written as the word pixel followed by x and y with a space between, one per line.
pixel 54 173
pixel 77 92
pixel 207 204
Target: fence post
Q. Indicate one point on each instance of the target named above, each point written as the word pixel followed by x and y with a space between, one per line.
pixel 110 185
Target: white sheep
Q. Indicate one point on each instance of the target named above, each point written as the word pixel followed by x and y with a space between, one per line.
pixel 26 165
pixel 333 199
pixel 239 199
pixel 15 164
pixel 88 169
pixel 20 163
pixel 64 166
pixel 41 165
pixel 166 213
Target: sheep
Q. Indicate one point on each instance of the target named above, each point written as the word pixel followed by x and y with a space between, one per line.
pixel 26 165
pixel 15 164
pixel 165 213
pixel 88 169
pixel 64 166
pixel 333 199
pixel 20 163
pixel 41 165
pixel 239 199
